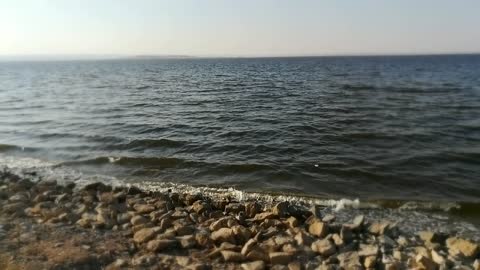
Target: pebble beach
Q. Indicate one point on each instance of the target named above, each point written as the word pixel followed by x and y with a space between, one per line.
pixel 47 225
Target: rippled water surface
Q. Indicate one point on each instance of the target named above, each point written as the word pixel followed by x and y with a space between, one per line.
pixel 363 127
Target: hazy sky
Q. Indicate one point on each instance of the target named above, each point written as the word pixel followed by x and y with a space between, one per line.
pixel 238 28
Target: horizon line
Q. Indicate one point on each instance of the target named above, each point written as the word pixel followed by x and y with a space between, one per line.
pixel 72 57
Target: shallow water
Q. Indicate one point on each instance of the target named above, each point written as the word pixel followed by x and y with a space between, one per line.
pixel 373 128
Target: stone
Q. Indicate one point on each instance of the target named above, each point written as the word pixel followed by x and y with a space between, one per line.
pixel 368 250
pixel 182 229
pixel 400 256
pixel 346 234
pixel 234 208
pixel 232 256
pixel 241 233
pixel 256 265
pixel 221 223
pixel 280 258
pixel 295 266
pixel 429 236
pixel 203 239
pixel 201 207
pixel 459 246
pixel 318 228
pixel 425 262
pixel 281 209
pixel 370 262
pixel 199 266
pixel 323 247
pixel 143 208
pixel 402 241
pixel 328 218
pixel 476 264
pixel 144 260
pixel 303 239
pixel 187 241
pixel 160 244
pixel 338 240
pixel 252 208
pixel 437 258
pixel 138 220
pixel 379 228
pixel 249 245
pixel 223 235
pixel 387 241
pixel 290 248
pixel 257 254
pixel 264 215
pixel 292 222
pixel 144 235
pixel 349 260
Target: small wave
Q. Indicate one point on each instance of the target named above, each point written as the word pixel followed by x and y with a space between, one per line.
pixel 148 143
pixel 403 89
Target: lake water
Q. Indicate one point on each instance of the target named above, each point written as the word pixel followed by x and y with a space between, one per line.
pixel 375 128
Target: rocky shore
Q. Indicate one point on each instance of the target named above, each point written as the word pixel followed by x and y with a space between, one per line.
pixel 45 225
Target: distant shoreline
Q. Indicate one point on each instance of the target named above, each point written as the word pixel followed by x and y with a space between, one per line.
pixel 54 58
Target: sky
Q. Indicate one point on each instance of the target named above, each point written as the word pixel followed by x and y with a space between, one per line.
pixel 238 28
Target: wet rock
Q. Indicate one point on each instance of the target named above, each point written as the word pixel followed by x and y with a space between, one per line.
pixel 323 247
pixel 223 235
pixel 232 256
pixel 192 198
pixel 252 208
pixel 256 265
pixel 160 244
pixel 459 246
pixel 280 258
pixel 281 209
pixel 234 208
pixel 200 207
pixel 425 262
pixel 316 211
pixel 346 234
pixel 145 234
pixel 98 186
pixel 328 218
pixel 318 228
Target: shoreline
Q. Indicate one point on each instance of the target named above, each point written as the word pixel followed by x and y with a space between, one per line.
pixel 51 226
